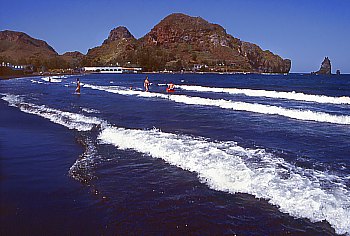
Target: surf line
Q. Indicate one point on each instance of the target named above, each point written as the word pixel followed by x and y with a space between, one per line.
pixel 270 94
pixel 306 115
pixel 223 166
pixel 68 119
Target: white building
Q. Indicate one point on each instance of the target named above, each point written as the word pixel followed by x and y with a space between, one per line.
pixel 111 69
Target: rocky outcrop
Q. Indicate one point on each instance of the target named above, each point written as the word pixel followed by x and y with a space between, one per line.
pixel 264 61
pixel 326 67
pixel 117 34
pixel 116 49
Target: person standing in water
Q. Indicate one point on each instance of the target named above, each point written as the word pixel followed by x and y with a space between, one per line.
pixel 146 84
pixel 171 86
pixel 77 90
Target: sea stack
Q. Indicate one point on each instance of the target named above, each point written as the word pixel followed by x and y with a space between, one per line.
pixel 326 68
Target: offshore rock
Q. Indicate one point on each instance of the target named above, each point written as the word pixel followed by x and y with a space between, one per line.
pixel 326 68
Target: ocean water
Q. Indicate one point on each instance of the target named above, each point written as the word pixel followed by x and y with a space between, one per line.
pixel 224 154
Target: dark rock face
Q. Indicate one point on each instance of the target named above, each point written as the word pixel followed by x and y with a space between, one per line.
pixel 264 61
pixel 326 68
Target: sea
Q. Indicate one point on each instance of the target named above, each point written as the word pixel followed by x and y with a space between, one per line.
pixel 225 154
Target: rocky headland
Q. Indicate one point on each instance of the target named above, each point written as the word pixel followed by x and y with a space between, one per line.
pixel 178 42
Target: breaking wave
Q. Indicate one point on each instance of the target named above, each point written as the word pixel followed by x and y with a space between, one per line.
pixel 37 82
pixel 225 166
pixel 67 119
pixel 270 94
pixel 90 110
pixel 53 79
pixel 298 114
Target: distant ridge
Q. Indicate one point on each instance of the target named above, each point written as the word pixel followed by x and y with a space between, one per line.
pixel 19 45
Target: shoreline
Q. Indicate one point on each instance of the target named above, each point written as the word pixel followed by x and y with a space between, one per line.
pixel 8 77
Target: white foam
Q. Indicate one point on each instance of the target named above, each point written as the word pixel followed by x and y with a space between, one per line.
pixel 53 79
pixel 81 170
pixel 37 82
pixel 225 166
pixel 270 94
pixel 67 119
pixel 90 110
pixel 298 114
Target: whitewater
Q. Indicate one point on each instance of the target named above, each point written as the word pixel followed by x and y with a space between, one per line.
pixel 298 114
pixel 270 94
pixel 222 165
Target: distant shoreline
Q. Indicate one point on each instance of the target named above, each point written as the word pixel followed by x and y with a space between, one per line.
pixel 157 72
pixel 7 77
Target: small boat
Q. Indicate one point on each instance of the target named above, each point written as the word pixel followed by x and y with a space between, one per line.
pixel 168 90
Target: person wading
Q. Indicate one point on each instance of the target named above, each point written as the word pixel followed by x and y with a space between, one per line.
pixel 77 90
pixel 146 84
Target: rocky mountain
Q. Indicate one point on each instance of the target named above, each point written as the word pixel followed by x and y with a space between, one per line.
pixel 21 48
pixel 326 67
pixel 180 41
pixel 117 48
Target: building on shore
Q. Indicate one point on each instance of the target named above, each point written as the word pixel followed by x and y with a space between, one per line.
pixel 8 69
pixel 111 69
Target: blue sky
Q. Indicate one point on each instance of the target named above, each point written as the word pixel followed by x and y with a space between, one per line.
pixel 304 31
